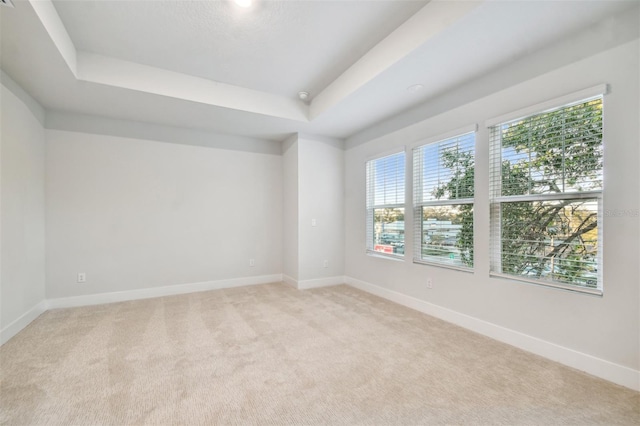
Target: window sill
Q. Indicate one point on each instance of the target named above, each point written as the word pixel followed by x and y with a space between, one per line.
pixel 444 265
pixel 397 258
pixel 550 284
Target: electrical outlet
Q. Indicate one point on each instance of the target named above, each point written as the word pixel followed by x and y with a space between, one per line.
pixel 252 262
pixel 325 264
pixel 82 277
pixel 313 222
pixel 429 283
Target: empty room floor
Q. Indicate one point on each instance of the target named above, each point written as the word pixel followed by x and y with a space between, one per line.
pixel 270 354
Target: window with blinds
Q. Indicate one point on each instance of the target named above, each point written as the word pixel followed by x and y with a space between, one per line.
pixel 443 182
pixel 546 188
pixel 385 204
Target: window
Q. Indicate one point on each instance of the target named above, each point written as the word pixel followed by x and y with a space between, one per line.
pixel 443 179
pixel 385 204
pixel 546 185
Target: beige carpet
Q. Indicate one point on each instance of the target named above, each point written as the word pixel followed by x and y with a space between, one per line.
pixel 270 354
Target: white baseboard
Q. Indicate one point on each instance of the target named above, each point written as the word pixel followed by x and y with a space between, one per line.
pixel 16 326
pixel 320 282
pixel 315 283
pixel 148 293
pixel 290 281
pixel 598 367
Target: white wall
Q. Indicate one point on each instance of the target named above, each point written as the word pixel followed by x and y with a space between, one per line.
pixel 603 327
pixel 290 213
pixel 321 198
pixel 22 147
pixel 314 211
pixel 134 214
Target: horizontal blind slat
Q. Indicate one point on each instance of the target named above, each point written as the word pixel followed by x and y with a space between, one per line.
pixel 443 179
pixel 545 183
pixel 385 183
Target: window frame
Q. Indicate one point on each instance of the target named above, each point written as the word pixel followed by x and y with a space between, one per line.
pixel 497 200
pixel 371 207
pixel 419 204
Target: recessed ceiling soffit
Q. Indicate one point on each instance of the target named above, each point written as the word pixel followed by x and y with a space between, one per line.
pixel 427 23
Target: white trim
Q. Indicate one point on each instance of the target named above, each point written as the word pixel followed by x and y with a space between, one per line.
pixel 19 324
pixel 313 283
pixel 420 261
pixel 290 281
pixel 549 196
pixel 447 202
pixel 382 255
pixel 598 367
pixel 321 282
pixel 461 131
pixel 550 284
pixel 387 206
pixel 601 89
pixel 148 293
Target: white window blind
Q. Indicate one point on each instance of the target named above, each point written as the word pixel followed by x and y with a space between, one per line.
pixel 443 179
pixel 385 204
pixel 546 188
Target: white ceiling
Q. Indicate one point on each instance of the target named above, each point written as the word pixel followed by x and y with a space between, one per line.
pixel 209 65
pixel 294 45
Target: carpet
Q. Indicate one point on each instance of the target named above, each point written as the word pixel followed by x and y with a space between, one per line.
pixel 270 354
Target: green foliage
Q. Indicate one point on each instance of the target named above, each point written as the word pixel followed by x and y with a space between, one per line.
pixel 460 186
pixel 562 149
pixel 552 239
pixel 465 239
pixel 549 153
